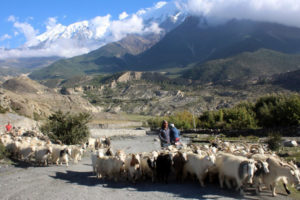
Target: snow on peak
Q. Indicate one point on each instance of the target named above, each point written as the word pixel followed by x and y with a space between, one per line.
pixel 84 36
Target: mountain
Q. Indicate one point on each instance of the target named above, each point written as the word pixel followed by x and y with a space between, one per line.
pixel 243 68
pixel 85 36
pixel 28 63
pixel 15 67
pixel 289 80
pixel 105 59
pixel 193 41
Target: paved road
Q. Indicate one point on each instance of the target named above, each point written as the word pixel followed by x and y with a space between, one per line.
pixel 77 182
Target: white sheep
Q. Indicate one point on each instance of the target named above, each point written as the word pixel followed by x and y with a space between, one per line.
pixel 198 165
pixel 280 171
pixel 234 167
pixel 42 154
pixel 132 167
pixel 109 166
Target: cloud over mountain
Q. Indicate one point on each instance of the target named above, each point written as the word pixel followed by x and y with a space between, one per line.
pixel 285 12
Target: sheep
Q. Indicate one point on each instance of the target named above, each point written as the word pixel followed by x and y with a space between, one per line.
pixel 279 171
pixel 42 154
pixel 76 153
pixel 61 154
pixel 234 167
pixel 121 155
pixel 148 162
pixel 94 156
pixel 109 166
pixel 198 165
pixel 26 151
pixel 64 155
pixel 163 166
pixel 132 167
pixel 91 143
pixel 179 160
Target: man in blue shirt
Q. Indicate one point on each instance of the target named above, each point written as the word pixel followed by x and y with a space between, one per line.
pixel 174 135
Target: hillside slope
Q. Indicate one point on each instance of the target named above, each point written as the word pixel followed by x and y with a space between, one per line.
pixel 245 67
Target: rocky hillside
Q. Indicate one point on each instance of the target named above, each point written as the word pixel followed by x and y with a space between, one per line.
pixel 29 98
pixel 150 93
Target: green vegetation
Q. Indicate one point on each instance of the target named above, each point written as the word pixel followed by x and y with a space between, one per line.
pixel 3 152
pixel 274 141
pixel 66 127
pixel 3 110
pixel 182 120
pixel 243 67
pixel 268 112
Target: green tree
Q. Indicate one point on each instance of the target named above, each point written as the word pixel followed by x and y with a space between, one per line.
pixel 66 127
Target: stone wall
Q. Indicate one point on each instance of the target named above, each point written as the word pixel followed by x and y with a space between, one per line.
pixel 116 132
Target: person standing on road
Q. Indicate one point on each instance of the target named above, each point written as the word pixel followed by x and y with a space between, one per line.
pixel 8 127
pixel 164 134
pixel 174 135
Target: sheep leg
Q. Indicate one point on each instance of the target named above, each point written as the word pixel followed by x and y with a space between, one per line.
pixel 227 183
pixel 286 189
pixel 200 178
pixel 239 187
pixel 221 180
pixel 272 187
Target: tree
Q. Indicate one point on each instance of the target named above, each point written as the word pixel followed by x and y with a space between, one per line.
pixel 66 127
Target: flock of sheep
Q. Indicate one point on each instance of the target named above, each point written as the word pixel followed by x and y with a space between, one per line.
pixel 237 165
pixel 33 146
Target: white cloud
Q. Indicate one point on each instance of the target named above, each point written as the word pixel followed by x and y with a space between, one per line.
pixel 99 25
pixel 285 12
pixel 51 23
pixel 25 28
pixel 123 15
pixel 5 37
pixel 133 25
pixel 11 18
pixel 160 4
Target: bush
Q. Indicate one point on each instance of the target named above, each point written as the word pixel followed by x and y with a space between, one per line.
pixel 182 120
pixel 274 141
pixel 68 128
pixel 272 111
pixel 238 117
pixel 3 152
pixel 3 110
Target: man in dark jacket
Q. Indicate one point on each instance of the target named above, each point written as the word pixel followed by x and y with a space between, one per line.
pixel 164 134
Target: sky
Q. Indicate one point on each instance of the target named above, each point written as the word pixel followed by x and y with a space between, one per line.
pixel 37 12
pixel 26 24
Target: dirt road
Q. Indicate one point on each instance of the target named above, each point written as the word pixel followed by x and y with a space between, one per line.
pixel 77 182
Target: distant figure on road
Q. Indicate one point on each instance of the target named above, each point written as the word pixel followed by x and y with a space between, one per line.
pixel 8 127
pixel 164 134
pixel 174 135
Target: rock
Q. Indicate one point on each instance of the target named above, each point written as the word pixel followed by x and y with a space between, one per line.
pixel 290 143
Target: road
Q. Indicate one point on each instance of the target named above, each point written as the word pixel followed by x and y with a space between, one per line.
pixel 21 181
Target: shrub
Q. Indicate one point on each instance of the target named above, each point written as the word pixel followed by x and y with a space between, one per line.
pixel 3 110
pixel 68 128
pixel 272 111
pixel 274 141
pixel 3 152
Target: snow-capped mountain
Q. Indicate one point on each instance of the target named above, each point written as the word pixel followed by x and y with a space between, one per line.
pixel 85 36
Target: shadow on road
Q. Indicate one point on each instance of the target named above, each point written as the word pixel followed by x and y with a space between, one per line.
pixel 189 190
